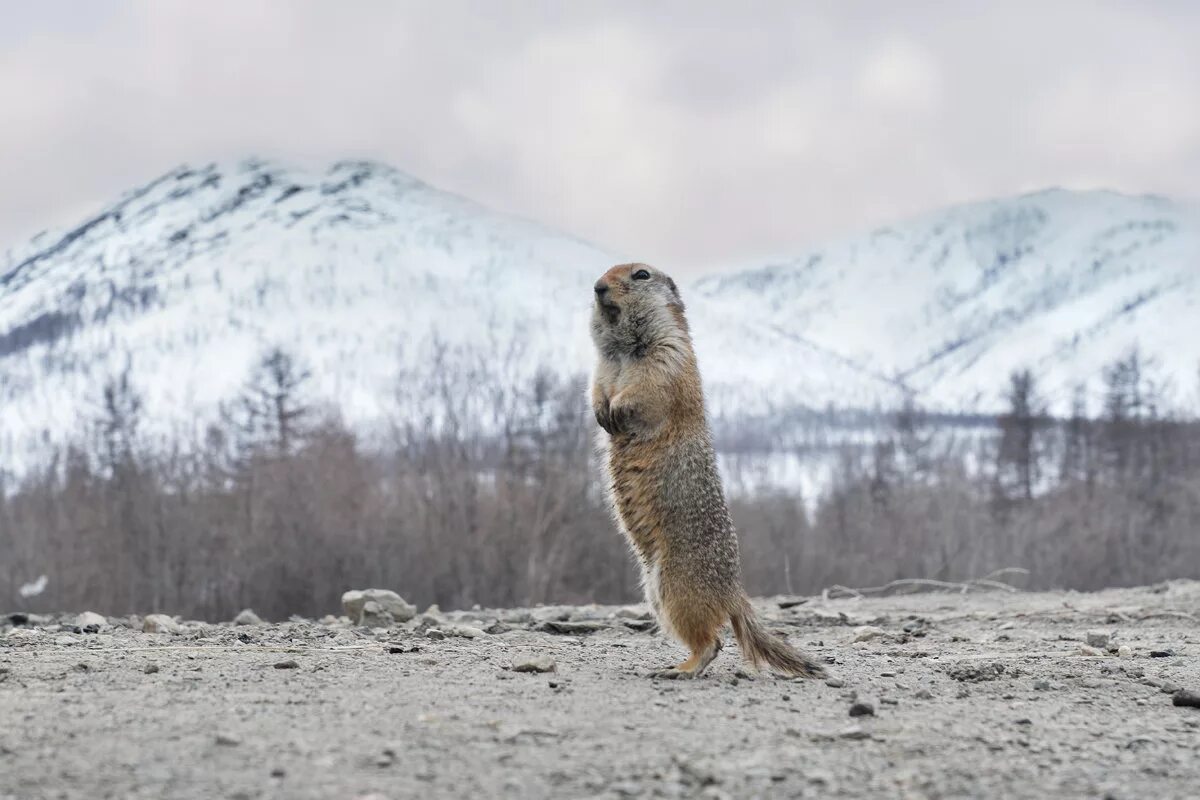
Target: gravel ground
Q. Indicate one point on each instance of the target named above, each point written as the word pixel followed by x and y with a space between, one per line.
pixel 982 695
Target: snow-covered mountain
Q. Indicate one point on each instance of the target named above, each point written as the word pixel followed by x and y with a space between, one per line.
pixel 189 278
pixel 949 304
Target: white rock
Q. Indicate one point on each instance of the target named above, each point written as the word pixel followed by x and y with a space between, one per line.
pixel 533 662
pixel 867 632
pixel 465 631
pixel 1124 651
pixel 159 623
pixel 354 603
pixel 247 617
pixel 90 618
pixel 1088 650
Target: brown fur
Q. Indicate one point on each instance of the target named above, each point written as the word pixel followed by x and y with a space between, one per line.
pixel 666 492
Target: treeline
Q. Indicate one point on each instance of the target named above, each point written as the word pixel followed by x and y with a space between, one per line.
pixel 486 491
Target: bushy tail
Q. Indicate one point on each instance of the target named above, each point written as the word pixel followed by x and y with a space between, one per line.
pixel 760 647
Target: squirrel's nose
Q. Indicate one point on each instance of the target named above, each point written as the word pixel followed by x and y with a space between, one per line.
pixel 601 287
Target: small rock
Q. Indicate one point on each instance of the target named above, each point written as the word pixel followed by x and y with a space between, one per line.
pixel 465 631
pixel 150 668
pixel 924 694
pixel 397 649
pixel 278 772
pixel 354 604
pixel 867 632
pixel 435 634
pixel 1097 639
pixel 1124 651
pixel 1185 698
pixel 1088 650
pixel 1168 688
pixel 862 709
pixel 228 740
pixel 247 617
pixel 1041 686
pixel 1166 653
pixel 854 732
pixel 287 664
pixel 89 618
pixel 534 663
pixel 836 683
pixel 160 623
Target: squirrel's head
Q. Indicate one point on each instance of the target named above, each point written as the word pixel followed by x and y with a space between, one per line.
pixel 636 307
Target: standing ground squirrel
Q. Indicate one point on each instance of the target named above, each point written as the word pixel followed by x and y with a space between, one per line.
pixel 663 479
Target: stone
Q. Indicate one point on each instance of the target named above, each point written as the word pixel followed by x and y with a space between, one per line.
pixel 865 633
pixel 1124 651
pixel 533 662
pixel 1098 639
pixel 247 617
pixel 862 708
pixel 290 663
pixel 464 631
pixel 1088 650
pixel 854 732
pixel 1185 698
pixel 923 694
pixel 228 740
pixel 160 623
pixel 354 605
pixel 89 618
pixel 836 683
pixel 435 633
pixel 1041 686
pixel 1162 653
pixel 150 668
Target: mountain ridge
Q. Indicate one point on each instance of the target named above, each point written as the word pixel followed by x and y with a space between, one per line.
pixel 191 275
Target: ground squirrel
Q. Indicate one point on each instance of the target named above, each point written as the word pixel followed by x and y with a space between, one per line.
pixel 663 480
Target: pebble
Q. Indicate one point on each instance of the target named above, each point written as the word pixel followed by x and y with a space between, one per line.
pixel 867 632
pixel 287 664
pixel 1185 698
pixel 836 683
pixel 228 740
pixel 1088 650
pixel 854 732
pixel 924 694
pixel 533 662
pixel 247 617
pixel 1041 686
pixel 862 709
pixel 159 623
pixel 150 668
pixel 435 634
pixel 1097 639
pixel 1166 653
pixel 465 631
pixel 1124 651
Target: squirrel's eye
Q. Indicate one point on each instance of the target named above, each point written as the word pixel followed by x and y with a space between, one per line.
pixel 641 275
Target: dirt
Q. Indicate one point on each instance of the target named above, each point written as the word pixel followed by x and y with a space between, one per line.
pixel 953 695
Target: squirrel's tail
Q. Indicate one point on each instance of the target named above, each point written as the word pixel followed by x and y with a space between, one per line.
pixel 760 647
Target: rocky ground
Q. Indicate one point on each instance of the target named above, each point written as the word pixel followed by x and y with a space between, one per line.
pixel 934 695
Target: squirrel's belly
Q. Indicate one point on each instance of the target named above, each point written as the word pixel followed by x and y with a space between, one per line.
pixel 634 473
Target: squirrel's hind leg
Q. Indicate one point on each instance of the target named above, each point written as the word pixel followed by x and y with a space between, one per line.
pixel 695 665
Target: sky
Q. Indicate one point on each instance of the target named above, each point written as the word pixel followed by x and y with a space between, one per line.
pixel 693 135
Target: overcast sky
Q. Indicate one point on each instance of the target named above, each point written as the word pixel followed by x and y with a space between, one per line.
pixel 688 134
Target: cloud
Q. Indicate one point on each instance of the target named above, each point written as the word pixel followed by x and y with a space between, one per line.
pixel 689 134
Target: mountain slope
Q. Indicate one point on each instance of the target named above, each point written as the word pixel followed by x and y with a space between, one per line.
pixel 187 280
pixel 948 304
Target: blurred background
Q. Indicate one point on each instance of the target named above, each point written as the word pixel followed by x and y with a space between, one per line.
pixel 294 296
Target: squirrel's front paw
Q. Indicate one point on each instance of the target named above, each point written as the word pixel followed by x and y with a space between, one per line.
pixel 621 419
pixel 604 418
